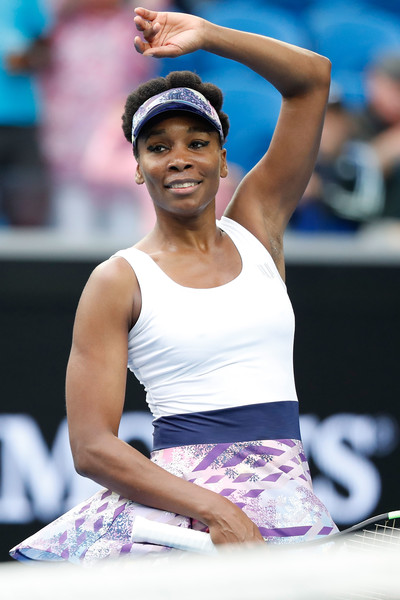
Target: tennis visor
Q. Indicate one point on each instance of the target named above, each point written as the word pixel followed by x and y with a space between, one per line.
pixel 175 99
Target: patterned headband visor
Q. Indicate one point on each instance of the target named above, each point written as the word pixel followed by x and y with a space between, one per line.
pixel 175 99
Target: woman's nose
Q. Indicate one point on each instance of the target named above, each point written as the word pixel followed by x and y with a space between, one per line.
pixel 179 162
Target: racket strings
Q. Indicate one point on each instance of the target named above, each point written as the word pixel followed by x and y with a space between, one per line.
pixel 379 536
pixel 382 535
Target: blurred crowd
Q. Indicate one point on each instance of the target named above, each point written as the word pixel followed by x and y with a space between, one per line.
pixel 66 67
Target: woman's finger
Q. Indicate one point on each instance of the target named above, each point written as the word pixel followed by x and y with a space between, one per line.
pixel 146 13
pixel 140 46
pixel 148 29
pixel 138 23
pixel 162 51
pixel 142 24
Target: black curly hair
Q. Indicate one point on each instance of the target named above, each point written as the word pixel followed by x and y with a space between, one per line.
pixel 174 79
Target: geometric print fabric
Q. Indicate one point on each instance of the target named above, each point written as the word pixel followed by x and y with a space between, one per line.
pixel 269 480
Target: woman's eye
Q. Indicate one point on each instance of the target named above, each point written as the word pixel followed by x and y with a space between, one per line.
pixel 199 144
pixel 156 148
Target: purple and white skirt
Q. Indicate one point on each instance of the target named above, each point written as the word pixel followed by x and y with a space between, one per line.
pixel 268 479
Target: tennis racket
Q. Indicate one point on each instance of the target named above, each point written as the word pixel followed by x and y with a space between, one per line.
pixel 153 532
pixel 378 530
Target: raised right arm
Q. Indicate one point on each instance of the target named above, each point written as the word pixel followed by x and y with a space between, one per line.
pixel 270 192
pixel 95 391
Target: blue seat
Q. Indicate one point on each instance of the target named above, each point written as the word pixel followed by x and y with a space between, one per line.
pixel 199 7
pixel 294 6
pixel 390 5
pixel 351 37
pixel 253 107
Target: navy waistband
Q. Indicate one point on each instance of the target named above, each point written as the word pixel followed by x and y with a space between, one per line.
pixel 267 421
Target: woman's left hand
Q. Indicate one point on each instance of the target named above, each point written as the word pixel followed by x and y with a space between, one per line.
pixel 168 34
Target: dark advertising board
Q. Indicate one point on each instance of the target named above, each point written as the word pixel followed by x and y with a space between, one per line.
pixel 346 365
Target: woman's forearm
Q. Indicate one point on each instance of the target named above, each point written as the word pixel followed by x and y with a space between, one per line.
pixel 291 70
pixel 117 466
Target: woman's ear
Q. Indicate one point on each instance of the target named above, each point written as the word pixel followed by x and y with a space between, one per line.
pixel 138 176
pixel 223 171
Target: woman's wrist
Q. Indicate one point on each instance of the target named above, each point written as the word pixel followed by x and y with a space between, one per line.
pixel 213 508
pixel 211 36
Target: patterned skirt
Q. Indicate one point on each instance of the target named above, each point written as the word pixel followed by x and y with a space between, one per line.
pixel 269 480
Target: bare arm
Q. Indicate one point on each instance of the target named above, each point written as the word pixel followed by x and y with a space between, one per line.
pixel 96 378
pixel 268 195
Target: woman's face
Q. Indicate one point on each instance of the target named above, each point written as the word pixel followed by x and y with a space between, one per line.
pixel 384 97
pixel 181 161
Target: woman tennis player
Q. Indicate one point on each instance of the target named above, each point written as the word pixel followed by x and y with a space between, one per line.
pixel 198 309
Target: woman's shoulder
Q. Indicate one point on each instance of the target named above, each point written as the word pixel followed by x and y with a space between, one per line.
pixel 112 280
pixel 110 298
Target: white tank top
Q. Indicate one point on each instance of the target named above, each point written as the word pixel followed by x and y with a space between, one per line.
pixel 204 349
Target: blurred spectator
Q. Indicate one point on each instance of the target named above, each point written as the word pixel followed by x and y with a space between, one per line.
pixel 94 66
pixel 346 188
pixel 24 188
pixel 379 123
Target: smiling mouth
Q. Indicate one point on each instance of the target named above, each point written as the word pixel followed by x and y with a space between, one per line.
pixel 179 185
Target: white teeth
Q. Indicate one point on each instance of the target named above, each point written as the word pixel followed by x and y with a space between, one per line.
pixel 183 185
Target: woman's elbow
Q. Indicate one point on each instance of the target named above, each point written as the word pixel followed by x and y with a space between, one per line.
pixel 313 78
pixel 323 71
pixel 81 464
pixel 85 459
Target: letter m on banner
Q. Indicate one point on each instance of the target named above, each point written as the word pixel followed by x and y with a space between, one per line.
pixel 33 479
pixel 37 482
